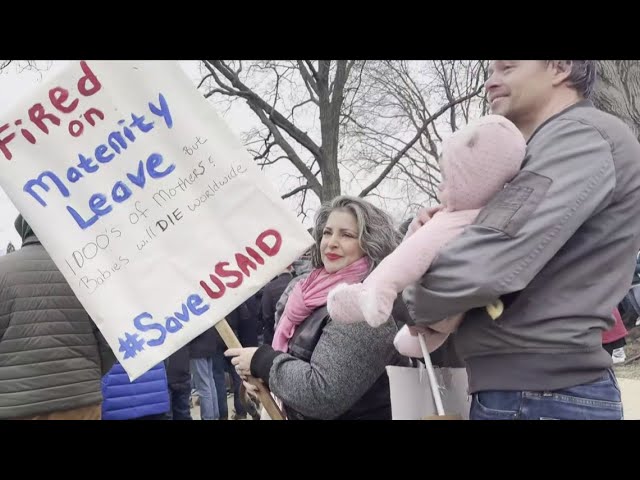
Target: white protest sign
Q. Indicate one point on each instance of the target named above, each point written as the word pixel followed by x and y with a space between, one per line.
pixel 153 210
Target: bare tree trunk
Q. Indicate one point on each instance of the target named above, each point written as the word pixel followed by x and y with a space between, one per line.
pixel 618 90
pixel 330 98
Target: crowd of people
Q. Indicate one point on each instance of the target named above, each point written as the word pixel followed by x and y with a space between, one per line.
pixel 516 274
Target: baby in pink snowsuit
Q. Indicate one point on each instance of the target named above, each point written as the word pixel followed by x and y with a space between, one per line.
pixel 477 161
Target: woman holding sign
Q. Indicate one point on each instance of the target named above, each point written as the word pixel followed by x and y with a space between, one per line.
pixel 318 368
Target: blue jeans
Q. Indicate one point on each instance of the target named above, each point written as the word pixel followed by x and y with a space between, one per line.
pixel 598 400
pixel 219 363
pixel 180 404
pixel 237 383
pixel 202 369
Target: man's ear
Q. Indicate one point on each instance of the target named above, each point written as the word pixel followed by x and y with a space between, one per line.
pixel 561 71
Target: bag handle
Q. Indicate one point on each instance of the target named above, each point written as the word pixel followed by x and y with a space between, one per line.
pixel 433 382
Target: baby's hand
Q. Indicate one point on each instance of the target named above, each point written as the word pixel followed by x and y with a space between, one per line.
pixel 407 343
pixel 423 216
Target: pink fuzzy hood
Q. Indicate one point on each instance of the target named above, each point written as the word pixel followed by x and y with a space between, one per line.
pixel 478 160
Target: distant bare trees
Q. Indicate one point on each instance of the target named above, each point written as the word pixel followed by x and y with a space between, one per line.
pixel 376 120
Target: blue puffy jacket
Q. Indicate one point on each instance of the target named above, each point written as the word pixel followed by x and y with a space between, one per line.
pixel 146 395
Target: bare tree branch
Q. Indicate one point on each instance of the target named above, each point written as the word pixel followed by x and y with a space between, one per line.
pixel 401 153
pixel 309 82
pixel 221 91
pixel 255 101
pixel 284 145
pixel 299 189
pixel 271 162
pixel 201 81
pixel 217 79
pixel 298 105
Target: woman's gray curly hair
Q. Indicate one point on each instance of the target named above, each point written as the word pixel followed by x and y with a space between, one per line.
pixel 376 234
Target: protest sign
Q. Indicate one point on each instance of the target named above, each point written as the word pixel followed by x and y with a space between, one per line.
pixel 146 201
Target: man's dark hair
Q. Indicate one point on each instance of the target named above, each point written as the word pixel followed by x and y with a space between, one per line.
pixel 583 75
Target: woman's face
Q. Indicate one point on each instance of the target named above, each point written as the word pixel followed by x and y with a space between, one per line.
pixel 339 246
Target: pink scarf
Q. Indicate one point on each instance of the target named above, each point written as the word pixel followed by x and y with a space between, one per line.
pixel 310 294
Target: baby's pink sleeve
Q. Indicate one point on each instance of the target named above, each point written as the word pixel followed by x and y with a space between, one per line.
pixel 410 261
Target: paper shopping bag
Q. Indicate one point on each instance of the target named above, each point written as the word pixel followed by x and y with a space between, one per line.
pixel 411 397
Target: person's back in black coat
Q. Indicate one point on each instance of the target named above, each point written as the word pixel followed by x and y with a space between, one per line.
pixel 271 293
pixel 178 370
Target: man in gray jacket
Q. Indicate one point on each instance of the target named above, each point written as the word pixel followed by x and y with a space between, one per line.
pixel 52 356
pixel 556 245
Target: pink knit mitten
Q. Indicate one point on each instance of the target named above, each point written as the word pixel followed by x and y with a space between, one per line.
pixel 343 303
pixel 359 302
